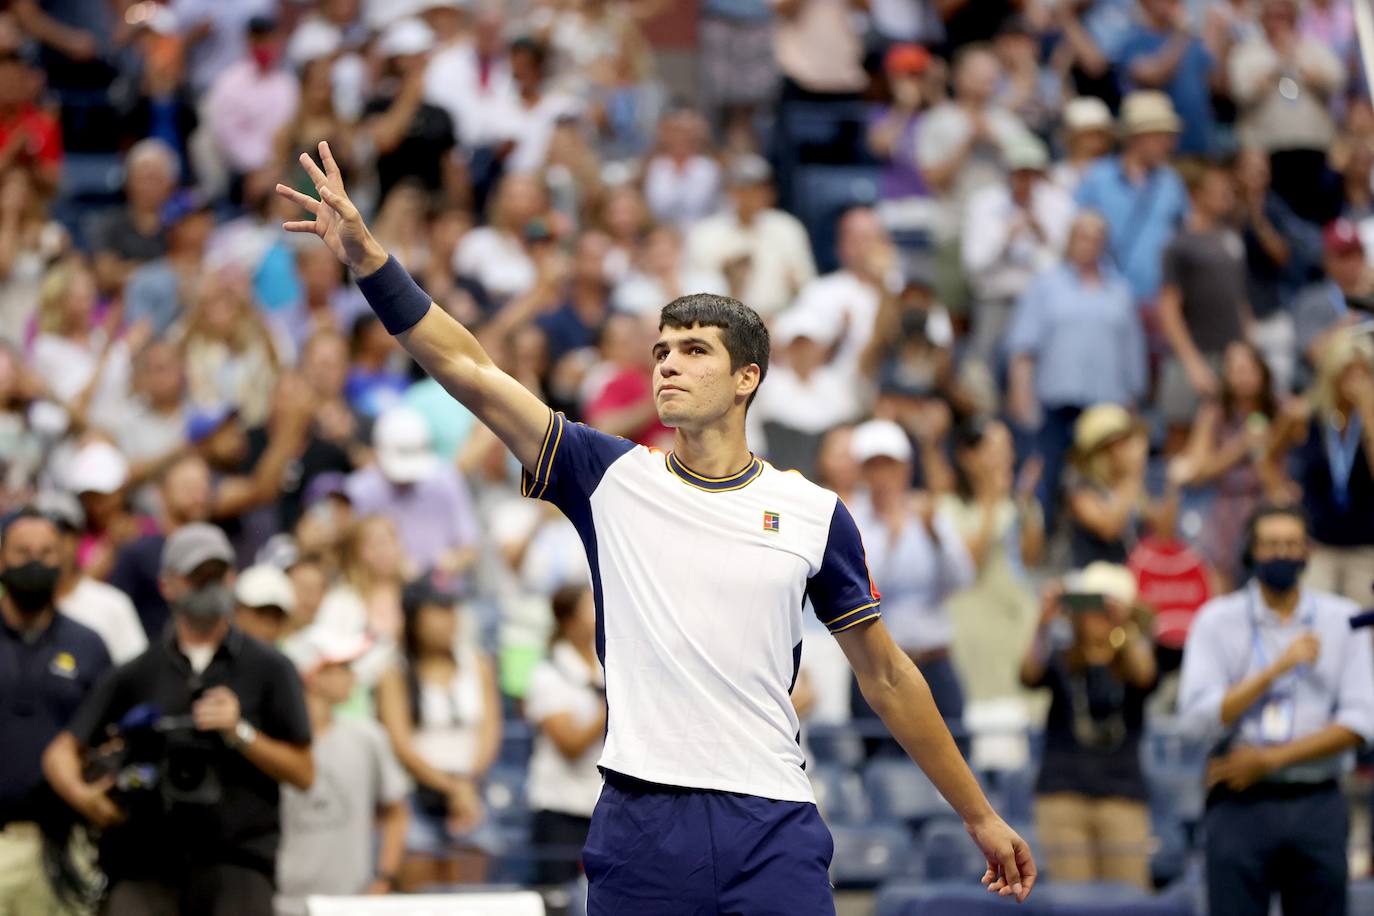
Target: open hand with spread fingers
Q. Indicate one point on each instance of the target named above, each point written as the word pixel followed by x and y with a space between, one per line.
pixel 337 221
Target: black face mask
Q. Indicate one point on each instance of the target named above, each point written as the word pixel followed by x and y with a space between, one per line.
pixel 1280 574
pixel 31 586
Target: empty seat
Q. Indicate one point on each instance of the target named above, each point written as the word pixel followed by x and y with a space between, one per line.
pixel 898 789
pixel 840 795
pixel 945 898
pixel 868 856
pixel 839 745
pixel 948 853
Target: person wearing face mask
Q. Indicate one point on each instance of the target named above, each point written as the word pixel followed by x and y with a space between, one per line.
pixel 1274 677
pixel 234 703
pixel 48 664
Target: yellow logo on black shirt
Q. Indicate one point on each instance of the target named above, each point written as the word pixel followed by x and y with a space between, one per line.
pixel 63 665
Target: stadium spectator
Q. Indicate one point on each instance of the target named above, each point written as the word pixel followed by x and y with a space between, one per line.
pixel 327 842
pixel 584 301
pixel 374 381
pixel 1060 364
pixel 1138 193
pixel 1331 436
pixel 159 290
pixel 892 136
pixel 1345 298
pixel 133 235
pixel 681 181
pixel 1162 53
pixel 95 604
pixel 535 111
pixel 426 500
pixel 152 429
pixel 1030 92
pixel 30 136
pixel 566 702
pixel 98 474
pixel 1226 450
pixel 441 710
pixel 249 103
pixel 911 351
pixel 497 254
pixel 29 241
pixel 1282 251
pixel 1273 675
pixel 918 560
pixel 1107 500
pixel 661 273
pixel 818 50
pixel 1091 809
pixel 619 395
pixel 83 361
pixel 805 398
pixel 1088 137
pixel 739 74
pixel 1202 304
pixel 265 603
pixel 1023 226
pixel 960 143
pixel 413 134
pixel 249 732
pixel 229 350
pixel 1283 83
pixel 998 519
pixel 767 246
pixel 51 664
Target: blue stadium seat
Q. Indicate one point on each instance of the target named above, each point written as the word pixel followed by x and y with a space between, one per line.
pixel 837 745
pixel 840 795
pixel 868 856
pixel 517 743
pixel 944 898
pixel 899 790
pixel 1012 792
pixel 948 853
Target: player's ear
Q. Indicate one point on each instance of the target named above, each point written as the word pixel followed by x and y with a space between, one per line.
pixel 747 380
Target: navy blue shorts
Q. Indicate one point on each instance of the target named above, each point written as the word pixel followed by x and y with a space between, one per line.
pixel 685 852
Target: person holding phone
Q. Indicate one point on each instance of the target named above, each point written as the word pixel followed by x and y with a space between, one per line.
pixel 1091 802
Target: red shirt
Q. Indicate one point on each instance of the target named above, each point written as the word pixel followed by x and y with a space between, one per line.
pixel 38 133
pixel 1172 579
pixel 626 388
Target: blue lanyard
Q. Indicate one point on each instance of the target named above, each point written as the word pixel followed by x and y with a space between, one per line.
pixel 1337 298
pixel 1341 450
pixel 1257 644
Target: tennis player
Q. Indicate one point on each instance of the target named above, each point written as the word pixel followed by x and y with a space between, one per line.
pixel 702 559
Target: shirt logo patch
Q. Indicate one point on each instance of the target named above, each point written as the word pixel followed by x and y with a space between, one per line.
pixel 770 521
pixel 63 665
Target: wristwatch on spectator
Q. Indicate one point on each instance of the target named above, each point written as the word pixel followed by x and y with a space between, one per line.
pixel 243 735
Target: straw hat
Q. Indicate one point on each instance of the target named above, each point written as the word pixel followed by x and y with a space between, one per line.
pixel 1148 112
pixel 1101 425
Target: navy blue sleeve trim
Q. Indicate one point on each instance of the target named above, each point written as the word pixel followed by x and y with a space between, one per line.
pixel 571 462
pixel 842 592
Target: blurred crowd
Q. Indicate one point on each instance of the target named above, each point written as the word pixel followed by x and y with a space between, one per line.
pixel 1052 287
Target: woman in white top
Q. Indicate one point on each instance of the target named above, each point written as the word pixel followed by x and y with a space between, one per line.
pixel 566 704
pixel 367 598
pixel 441 709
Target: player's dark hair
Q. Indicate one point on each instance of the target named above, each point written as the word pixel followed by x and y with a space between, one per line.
pixel 741 328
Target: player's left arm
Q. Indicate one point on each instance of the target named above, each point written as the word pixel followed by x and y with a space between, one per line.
pixel 897 692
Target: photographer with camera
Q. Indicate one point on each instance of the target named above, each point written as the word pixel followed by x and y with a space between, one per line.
pixel 197 732
pixel 1092 653
pixel 48 664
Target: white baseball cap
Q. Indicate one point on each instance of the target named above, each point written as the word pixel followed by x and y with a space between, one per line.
pixel 265 586
pixel 1110 579
pixel 316 646
pixel 879 439
pixel 405 37
pixel 312 40
pixel 98 467
pixel 1087 112
pixel 813 324
pixel 402 441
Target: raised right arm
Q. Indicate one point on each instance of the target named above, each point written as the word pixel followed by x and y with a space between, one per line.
pixel 447 350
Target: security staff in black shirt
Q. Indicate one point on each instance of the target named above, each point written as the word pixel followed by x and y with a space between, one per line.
pixel 48 664
pixel 223 719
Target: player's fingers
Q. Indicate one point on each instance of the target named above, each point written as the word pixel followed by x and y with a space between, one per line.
pixel 299 225
pixel 1006 856
pixel 338 203
pixel 296 197
pixel 331 168
pixel 1025 862
pixel 313 170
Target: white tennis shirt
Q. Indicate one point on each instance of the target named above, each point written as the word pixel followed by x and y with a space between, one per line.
pixel 699 586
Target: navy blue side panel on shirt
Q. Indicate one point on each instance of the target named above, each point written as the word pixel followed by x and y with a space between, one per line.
pixel 842 592
pixel 571 463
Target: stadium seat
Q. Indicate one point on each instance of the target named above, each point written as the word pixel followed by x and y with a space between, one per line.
pixel 837 745
pixel 503 791
pixel 948 853
pixel 517 743
pixel 898 790
pixel 943 898
pixel 840 795
pixel 868 856
pixel 948 898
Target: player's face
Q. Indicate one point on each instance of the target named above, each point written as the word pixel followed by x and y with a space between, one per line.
pixel 693 384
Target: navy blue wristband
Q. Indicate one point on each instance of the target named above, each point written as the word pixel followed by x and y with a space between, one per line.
pixel 394 296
